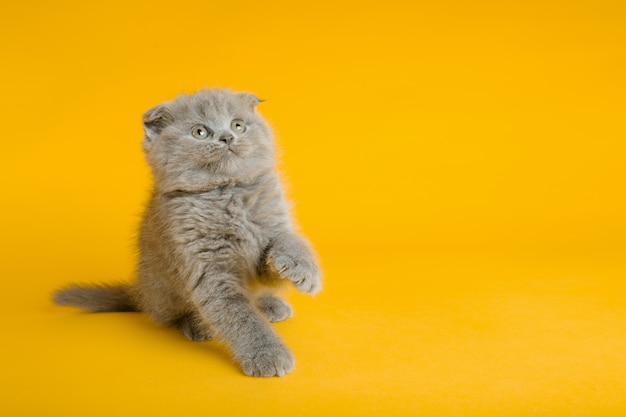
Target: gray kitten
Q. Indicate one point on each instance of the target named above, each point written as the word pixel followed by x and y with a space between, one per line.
pixel 216 240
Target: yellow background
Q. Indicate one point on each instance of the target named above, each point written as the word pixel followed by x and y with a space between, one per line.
pixel 459 166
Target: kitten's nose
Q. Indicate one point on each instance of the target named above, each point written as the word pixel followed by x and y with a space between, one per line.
pixel 227 138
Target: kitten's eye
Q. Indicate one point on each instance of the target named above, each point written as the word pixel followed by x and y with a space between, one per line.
pixel 201 132
pixel 238 126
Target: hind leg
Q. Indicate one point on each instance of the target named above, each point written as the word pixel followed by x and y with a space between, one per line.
pixel 274 308
pixel 168 307
pixel 193 328
pixel 263 291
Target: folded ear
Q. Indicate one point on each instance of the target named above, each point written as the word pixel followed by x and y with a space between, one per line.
pixel 155 120
pixel 250 100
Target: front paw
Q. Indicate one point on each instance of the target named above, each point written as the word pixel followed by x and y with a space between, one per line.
pixel 269 361
pixel 298 268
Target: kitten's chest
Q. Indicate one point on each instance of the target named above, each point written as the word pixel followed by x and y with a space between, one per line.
pixel 233 215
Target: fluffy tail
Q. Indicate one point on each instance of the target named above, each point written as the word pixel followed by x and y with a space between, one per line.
pixel 97 298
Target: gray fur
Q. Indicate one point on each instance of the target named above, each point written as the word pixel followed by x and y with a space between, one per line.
pixel 216 239
pixel 97 298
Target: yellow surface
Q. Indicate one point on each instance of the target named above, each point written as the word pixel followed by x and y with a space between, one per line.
pixel 460 166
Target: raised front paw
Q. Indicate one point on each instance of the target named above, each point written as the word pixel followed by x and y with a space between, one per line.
pixel 298 267
pixel 269 361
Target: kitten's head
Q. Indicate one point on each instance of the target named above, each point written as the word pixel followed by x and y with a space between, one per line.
pixel 206 138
